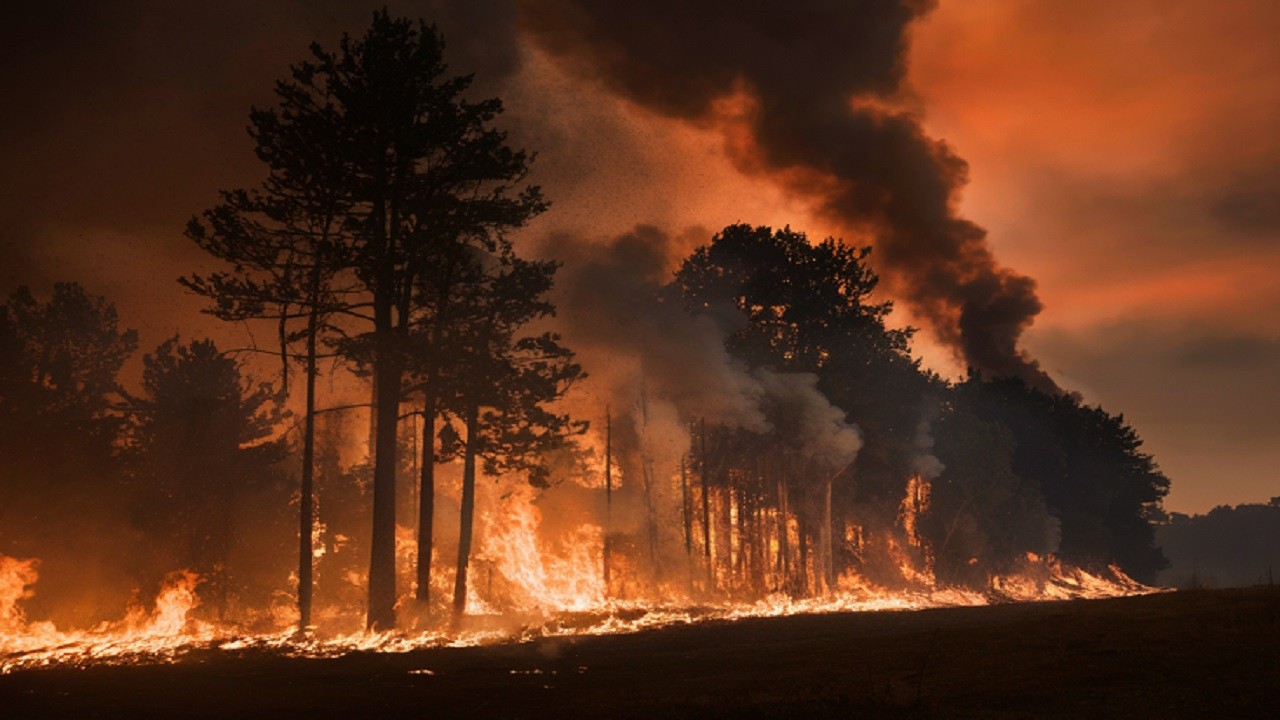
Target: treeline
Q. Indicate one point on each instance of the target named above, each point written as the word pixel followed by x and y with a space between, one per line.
pixel 987 470
pixel 1225 547
pixel 112 489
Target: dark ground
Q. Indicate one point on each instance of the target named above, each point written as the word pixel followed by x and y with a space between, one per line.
pixel 1195 654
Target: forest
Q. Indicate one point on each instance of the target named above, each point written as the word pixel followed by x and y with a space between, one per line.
pixel 728 416
pixel 1226 547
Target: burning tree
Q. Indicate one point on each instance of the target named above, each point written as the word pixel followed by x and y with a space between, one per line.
pixel 824 360
pixel 284 243
pixel 500 383
pixel 1100 490
pixel 405 164
pixel 61 487
pixel 203 446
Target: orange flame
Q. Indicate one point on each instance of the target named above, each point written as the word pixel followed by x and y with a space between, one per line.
pixel 552 583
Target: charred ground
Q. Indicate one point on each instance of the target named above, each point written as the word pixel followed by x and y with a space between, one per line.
pixel 1185 654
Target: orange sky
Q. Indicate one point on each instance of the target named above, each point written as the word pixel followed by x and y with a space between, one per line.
pixel 1123 154
pixel 1126 156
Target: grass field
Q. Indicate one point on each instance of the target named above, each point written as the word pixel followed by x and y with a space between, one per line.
pixel 1195 654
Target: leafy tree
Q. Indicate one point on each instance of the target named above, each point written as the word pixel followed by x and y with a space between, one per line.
pixel 59 362
pixel 202 438
pixel 502 383
pixel 424 168
pixel 809 307
pixel 982 516
pixel 285 244
pixel 417 167
pixel 804 302
pixel 60 426
pixel 1090 467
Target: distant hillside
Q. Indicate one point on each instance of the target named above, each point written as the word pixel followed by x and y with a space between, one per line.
pixel 1227 547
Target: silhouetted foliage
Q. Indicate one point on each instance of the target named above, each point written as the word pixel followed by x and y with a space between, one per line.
pixel 496 382
pixel 1104 491
pixel 410 169
pixel 58 366
pixel 808 308
pixel 488 361
pixel 60 426
pixel 286 245
pixel 203 445
pixel 1225 547
pixel 1014 470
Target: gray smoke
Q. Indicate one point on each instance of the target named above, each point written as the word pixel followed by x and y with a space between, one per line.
pixel 630 326
pixel 823 80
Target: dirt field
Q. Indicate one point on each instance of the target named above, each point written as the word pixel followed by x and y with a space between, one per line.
pixel 1189 654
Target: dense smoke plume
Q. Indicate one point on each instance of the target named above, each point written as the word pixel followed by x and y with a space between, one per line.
pixel 663 369
pixel 623 317
pixel 808 97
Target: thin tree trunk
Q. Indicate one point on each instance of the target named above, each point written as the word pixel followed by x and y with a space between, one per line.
pixel 306 504
pixel 759 545
pixel 802 536
pixel 684 507
pixel 706 503
pixel 655 559
pixel 467 513
pixel 427 492
pixel 646 474
pixel 608 499
pixel 741 518
pixel 373 418
pixel 224 586
pixel 828 554
pixel 724 531
pixel 784 535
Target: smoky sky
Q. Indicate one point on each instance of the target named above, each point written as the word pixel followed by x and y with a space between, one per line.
pixel 1122 154
pixel 121 117
pixel 154 87
pixel 820 78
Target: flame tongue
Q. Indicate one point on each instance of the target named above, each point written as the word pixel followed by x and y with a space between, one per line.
pixel 535 587
pixel 139 637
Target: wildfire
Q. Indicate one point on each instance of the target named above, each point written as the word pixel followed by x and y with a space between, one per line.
pixel 542 586
pixel 141 636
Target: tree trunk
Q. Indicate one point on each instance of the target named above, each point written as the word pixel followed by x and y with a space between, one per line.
pixel 225 553
pixel 827 555
pixel 784 537
pixel 651 522
pixel 382 561
pixel 706 503
pixel 608 500
pixel 306 503
pixel 740 517
pixel 687 516
pixel 467 513
pixel 802 536
pixel 427 492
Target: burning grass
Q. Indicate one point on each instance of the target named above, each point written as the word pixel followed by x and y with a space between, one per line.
pixel 168 631
pixel 1186 654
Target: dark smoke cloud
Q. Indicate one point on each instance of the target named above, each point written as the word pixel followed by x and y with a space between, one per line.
pixel 629 324
pixel 822 82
